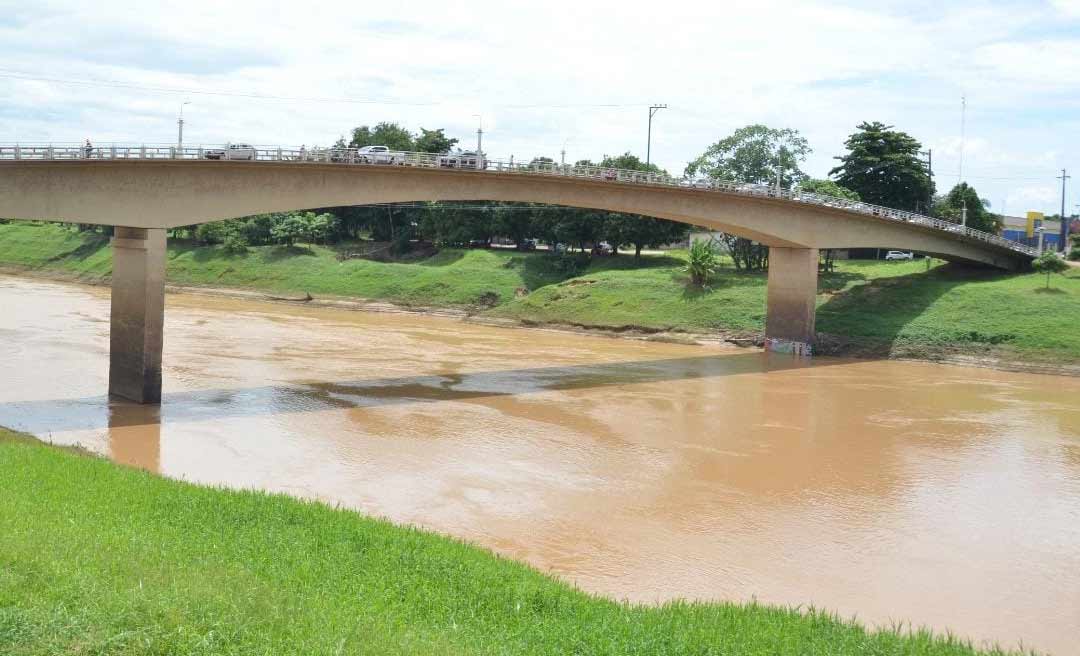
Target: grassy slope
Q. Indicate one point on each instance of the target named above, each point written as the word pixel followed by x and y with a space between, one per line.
pixel 449 278
pixel 100 559
pixel 876 303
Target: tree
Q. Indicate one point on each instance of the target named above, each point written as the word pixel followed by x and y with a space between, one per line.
pixel 290 229
pixel 950 208
pixel 634 229
pixel 640 231
pixel 451 225
pixel 746 255
pixel 629 162
pixel 433 141
pixel 514 221
pixel 391 135
pixel 319 226
pixel 257 230
pixel 213 232
pixel 827 187
pixel 1049 263
pixel 882 165
pixel 755 154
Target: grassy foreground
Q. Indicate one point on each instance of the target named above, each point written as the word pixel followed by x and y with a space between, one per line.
pixel 868 306
pixel 97 558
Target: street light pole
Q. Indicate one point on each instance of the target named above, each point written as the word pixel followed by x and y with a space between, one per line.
pixel 180 126
pixel 1063 233
pixel 929 152
pixel 780 164
pixel 479 139
pixel 648 143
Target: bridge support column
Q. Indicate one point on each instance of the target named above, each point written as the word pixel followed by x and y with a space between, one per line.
pixel 138 314
pixel 792 294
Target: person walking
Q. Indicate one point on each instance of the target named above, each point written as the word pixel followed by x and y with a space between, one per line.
pixel 88 148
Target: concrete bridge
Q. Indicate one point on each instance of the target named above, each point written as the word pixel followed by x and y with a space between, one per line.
pixel 144 191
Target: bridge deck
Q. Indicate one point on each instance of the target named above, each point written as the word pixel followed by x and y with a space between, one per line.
pixel 351 157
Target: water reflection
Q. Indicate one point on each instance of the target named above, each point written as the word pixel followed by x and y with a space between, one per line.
pixel 180 406
pixel 135 435
pixel 895 491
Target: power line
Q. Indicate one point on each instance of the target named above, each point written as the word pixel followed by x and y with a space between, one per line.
pixel 113 84
pixel 985 177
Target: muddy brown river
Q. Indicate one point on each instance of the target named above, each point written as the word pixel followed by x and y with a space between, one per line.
pixel 930 495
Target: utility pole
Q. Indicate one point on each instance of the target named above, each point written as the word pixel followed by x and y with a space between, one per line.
pixel 779 166
pixel 1063 233
pixel 180 127
pixel 479 140
pixel 930 173
pixel 648 143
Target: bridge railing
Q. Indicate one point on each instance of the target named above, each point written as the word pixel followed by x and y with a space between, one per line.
pixel 351 156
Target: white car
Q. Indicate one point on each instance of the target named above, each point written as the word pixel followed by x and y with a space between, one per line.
pixel 234 151
pixel 899 255
pixel 463 160
pixel 378 155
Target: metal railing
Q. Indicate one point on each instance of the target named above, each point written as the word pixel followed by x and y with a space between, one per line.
pixel 352 156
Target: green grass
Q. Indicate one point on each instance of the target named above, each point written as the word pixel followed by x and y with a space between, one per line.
pixel 957 307
pixel 100 559
pixel 865 306
pixel 451 278
pixel 622 293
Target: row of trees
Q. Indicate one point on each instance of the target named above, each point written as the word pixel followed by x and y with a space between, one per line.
pixel 882 166
pixel 395 137
pixel 449 224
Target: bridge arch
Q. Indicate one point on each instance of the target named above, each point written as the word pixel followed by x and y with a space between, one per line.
pixel 170 193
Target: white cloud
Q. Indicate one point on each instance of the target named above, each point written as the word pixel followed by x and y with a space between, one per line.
pixel 1070 8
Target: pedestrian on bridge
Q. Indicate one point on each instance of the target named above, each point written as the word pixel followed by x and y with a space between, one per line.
pixel 88 148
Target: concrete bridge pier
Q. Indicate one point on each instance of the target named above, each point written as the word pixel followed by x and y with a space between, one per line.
pixel 792 294
pixel 138 314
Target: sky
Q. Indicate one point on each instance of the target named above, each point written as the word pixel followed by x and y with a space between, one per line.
pixel 541 77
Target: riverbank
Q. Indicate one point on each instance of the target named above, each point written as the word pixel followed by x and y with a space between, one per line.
pixel 101 558
pixel 866 308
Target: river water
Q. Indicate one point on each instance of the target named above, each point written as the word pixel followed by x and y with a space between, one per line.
pixel 895 491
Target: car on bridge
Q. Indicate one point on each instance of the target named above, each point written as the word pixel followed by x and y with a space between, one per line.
pixel 234 151
pixel 899 255
pixel 463 160
pixel 379 155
